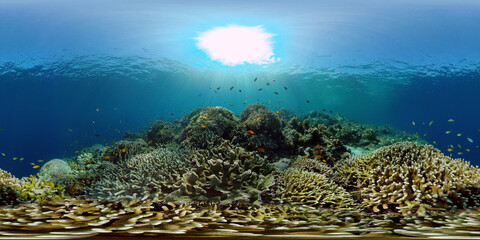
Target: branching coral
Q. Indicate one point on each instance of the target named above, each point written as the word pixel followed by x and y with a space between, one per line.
pixel 225 173
pixel 412 178
pixel 38 189
pixel 9 188
pixel 143 176
pixel 208 127
pixel 296 186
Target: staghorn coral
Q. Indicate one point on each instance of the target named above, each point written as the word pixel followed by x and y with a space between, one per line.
pixel 208 126
pixel 161 132
pixel 225 173
pixel 296 186
pixel 143 176
pixel 259 128
pixel 412 178
pixel 9 188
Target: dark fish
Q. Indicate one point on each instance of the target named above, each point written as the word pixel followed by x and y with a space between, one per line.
pixel 324 110
pixel 268 83
pixel 97 135
pixel 331 111
pixel 215 91
pixel 170 113
pixel 239 90
pixel 260 89
pixel 218 88
pixel 285 88
pixel 308 101
pixel 231 88
pixel 276 93
pixel 254 80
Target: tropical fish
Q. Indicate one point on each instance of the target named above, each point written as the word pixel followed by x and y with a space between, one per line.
pixel 206 116
pixel 149 142
pixel 106 157
pixel 470 140
pixel 434 142
pixel 254 80
pixel 317 156
pixel 430 123
pixel 231 88
pixel 15 158
pixel 413 123
pixel 245 102
pixel 218 88
pixel 285 88
pixel 97 110
pixel 251 132
pixel 450 150
pixel 76 151
pixel 459 146
pixel 451 120
pixel 260 89
pixel 306 156
pixel 231 105
pixel 21 159
pixel 267 84
pixel 261 150
pixel 259 118
pixel 468 150
pixel 36 166
pixel 204 126
pixel 447 132
pixel 239 90
pixel 425 134
pixel 451 145
pixel 458 135
pixel 278 112
pixel 124 150
pixel 276 93
pixel 308 101
pixel 3 154
pixel 460 153
pixel 70 130
pixel 40 160
pixel 32 163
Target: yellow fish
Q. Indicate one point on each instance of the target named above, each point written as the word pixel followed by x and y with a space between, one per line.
pixel 468 150
pixel 15 158
pixel 413 123
pixel 279 112
pixel 425 134
pixel 124 150
pixel 3 154
pixel 434 142
pixel 451 120
pixel 36 166
pixel 32 163
pixel 458 135
pixel 469 139
pixel 459 146
pixel 459 153
pixel 447 132
pixel 204 126
pixel 451 145
pixel 40 160
pixel 430 123
pixel 106 157
pixel 76 151
pixel 149 142
pixel 251 132
pixel 206 116
pixel 261 150
pixel 259 118
pixel 450 150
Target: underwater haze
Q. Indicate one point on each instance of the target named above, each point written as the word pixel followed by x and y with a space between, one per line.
pixel 74 74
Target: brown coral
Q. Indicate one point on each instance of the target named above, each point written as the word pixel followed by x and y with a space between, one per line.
pixel 9 188
pixel 412 178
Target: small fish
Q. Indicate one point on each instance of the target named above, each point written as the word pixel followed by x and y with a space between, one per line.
pixel 149 142
pixel 15 158
pixel 323 160
pixel 106 157
pixel 21 159
pixel 268 84
pixel 413 123
pixel 324 110
pixel 278 112
pixel 469 139
pixel 425 134
pixel 218 88
pixel 451 120
pixel 317 156
pixel 308 101
pixel 40 160
pixel 276 93
pixel 171 113
pixel 331 111
pixel 450 149
pixel 261 150
pixel 204 126
pixel 460 153
pixel 434 142
pixel 458 135
pixel 305 156
pixel 251 132
pixel 459 146
pixel 239 90
pixel 97 110
pixel 96 135
pixel 285 88
pixel 451 145
pixel 273 80
pixel 448 132
pixel 206 116
pixel 76 151
pixel 231 88
pixel 36 166
pixel 231 105
pixel 430 123
pixel 124 150
pixel 260 89
pixel 244 102
pixel 259 118
pixel 3 154
pixel 468 150
pixel 254 80
pixel 70 130
pixel 32 163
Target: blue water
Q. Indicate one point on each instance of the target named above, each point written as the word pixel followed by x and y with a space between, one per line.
pixel 82 73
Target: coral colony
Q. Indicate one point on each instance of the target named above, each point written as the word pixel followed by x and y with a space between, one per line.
pixel 260 173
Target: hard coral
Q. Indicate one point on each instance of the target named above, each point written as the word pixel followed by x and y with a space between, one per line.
pixel 124 149
pixel 161 132
pixel 412 178
pixel 9 188
pixel 208 127
pixel 57 171
pixel 224 173
pixel 40 190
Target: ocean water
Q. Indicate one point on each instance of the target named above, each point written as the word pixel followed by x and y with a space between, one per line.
pixel 78 73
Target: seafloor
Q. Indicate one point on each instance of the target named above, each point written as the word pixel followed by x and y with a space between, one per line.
pixel 265 173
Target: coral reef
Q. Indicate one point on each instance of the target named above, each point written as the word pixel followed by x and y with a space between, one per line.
pixel 9 188
pixel 259 128
pixel 57 170
pixel 224 174
pixel 161 132
pixel 296 186
pixel 122 150
pixel 317 166
pixel 143 176
pixel 40 190
pixel 208 126
pixel 411 178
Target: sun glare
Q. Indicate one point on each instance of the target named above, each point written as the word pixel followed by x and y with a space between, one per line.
pixel 234 45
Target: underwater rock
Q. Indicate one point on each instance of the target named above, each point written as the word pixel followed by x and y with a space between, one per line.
pixel 296 186
pixel 224 174
pixel 259 128
pixel 411 178
pixel 143 176
pixel 161 132
pixel 9 188
pixel 208 127
pixel 56 170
